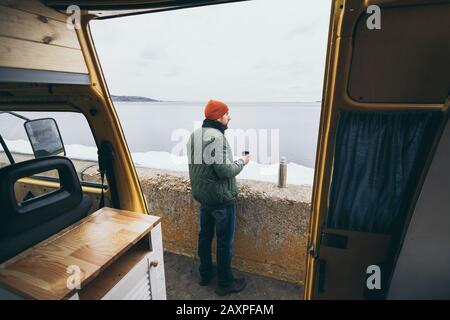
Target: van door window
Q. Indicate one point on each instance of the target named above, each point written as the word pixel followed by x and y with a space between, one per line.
pixel 77 144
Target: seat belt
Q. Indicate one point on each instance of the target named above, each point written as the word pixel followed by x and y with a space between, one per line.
pixel 102 158
pixel 101 203
pixel 105 164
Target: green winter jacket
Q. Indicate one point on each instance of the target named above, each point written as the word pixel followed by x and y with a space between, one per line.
pixel 212 170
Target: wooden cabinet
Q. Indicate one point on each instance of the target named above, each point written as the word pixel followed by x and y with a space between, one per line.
pixel 112 255
pixel 137 275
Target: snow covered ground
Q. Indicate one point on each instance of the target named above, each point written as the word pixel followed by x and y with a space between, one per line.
pixel 296 174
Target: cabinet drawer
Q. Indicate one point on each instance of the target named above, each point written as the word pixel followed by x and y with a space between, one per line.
pixel 135 285
pixel 137 275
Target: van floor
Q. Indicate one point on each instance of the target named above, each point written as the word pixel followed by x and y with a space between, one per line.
pixel 182 284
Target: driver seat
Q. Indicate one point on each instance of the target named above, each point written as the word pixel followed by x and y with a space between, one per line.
pixel 25 224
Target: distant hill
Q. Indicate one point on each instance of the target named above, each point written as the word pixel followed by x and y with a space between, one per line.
pixel 132 99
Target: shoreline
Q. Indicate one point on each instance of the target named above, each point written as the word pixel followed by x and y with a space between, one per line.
pixel 162 160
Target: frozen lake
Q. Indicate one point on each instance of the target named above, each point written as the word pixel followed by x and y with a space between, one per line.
pixel 157 132
pixel 151 126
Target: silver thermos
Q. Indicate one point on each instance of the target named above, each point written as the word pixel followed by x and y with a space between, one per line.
pixel 282 173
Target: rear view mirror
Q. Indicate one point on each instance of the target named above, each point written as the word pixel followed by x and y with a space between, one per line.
pixel 44 137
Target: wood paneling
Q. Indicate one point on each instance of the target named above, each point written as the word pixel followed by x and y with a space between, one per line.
pixel 91 244
pixel 36 7
pixel 16 53
pixel 33 36
pixel 27 26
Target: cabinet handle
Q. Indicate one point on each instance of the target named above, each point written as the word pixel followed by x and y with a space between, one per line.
pixel 153 263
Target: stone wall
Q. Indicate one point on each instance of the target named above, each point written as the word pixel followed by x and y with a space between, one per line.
pixel 271 227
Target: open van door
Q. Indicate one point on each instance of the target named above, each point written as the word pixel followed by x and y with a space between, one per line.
pixel 110 8
pixel 384 111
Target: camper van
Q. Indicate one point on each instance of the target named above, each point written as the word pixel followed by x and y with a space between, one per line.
pixel 379 222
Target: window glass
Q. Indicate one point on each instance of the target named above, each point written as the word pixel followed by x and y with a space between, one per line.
pixel 78 142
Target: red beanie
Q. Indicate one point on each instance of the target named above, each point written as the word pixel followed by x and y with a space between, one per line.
pixel 215 109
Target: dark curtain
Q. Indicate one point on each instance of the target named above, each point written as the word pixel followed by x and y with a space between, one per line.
pixel 378 159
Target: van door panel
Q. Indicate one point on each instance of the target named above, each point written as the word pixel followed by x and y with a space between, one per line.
pixel 344 258
pixel 407 59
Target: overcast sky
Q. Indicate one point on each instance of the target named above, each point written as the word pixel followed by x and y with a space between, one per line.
pixel 261 50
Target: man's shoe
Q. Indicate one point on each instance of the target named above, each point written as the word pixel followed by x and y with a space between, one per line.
pixel 236 286
pixel 205 281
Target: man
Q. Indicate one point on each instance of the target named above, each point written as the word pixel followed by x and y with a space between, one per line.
pixel 212 172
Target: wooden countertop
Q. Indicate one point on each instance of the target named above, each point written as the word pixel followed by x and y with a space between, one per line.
pixel 92 244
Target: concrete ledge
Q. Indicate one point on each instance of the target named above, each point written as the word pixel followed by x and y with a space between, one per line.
pixel 271 229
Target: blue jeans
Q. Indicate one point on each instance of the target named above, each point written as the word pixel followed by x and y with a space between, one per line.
pixel 223 220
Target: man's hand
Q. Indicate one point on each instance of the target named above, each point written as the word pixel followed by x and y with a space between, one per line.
pixel 245 159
